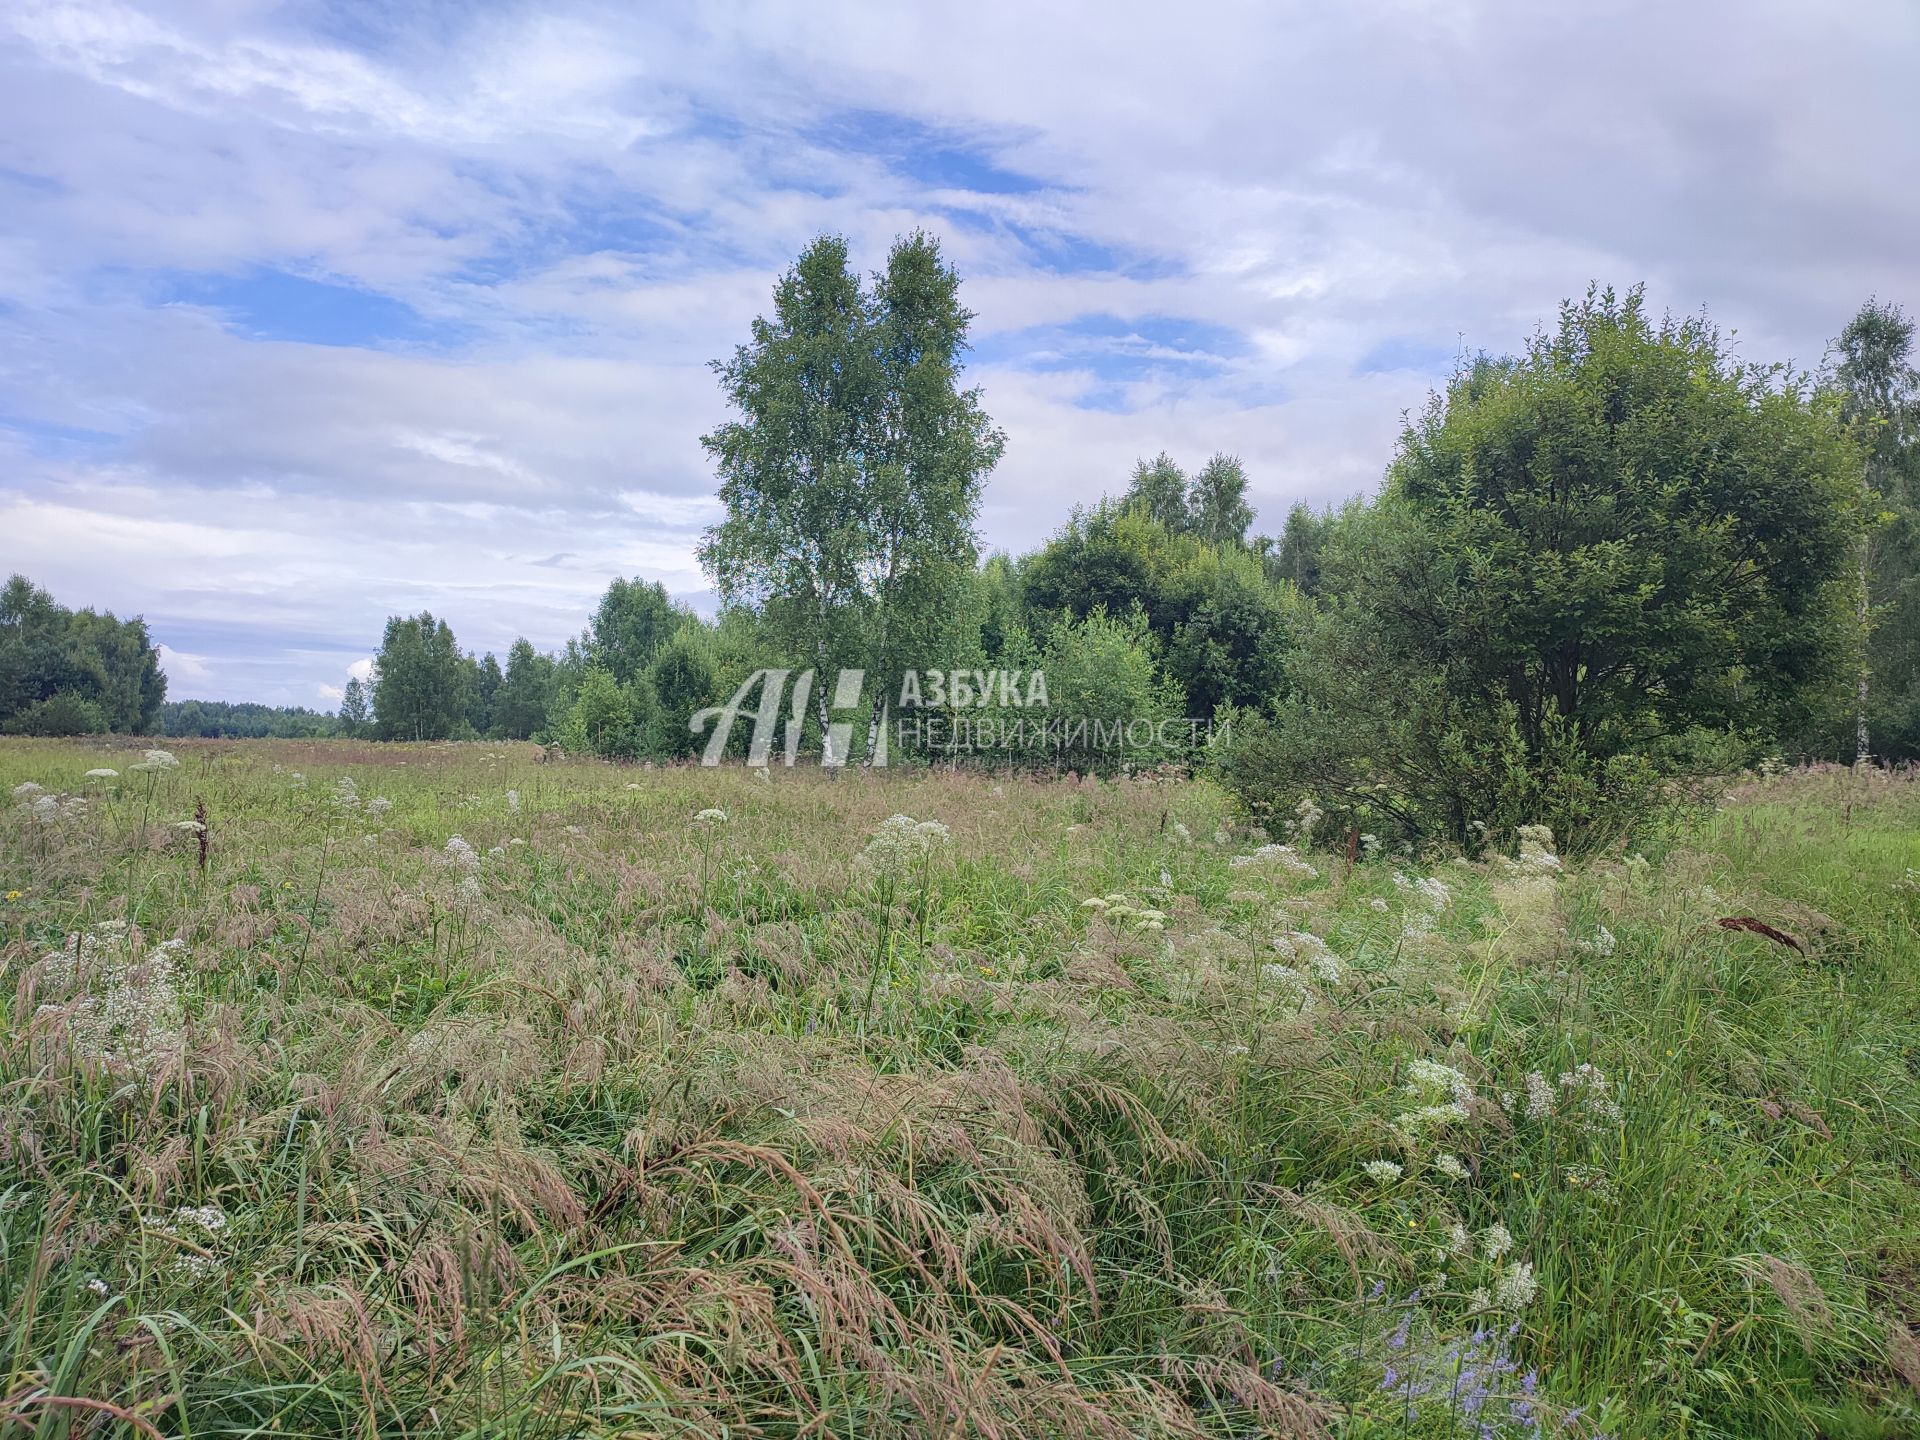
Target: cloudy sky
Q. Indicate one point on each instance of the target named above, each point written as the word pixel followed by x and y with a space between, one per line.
pixel 315 312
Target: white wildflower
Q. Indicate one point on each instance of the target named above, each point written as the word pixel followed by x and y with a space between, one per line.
pixel 1601 943
pixel 1589 1095
pixel 1450 1166
pixel 899 844
pixel 710 816
pixel 1282 857
pixel 1536 851
pixel 1429 1078
pixel 1307 816
pixel 513 802
pixel 1515 1288
pixel 102 774
pixel 120 1011
pixel 460 853
pixel 1539 1096
pixel 1384 1171
pixel 379 806
pixel 1495 1241
pixel 27 789
pixel 158 760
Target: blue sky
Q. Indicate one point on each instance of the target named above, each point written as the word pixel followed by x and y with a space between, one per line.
pixel 315 312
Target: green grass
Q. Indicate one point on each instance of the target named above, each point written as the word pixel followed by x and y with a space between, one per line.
pixel 649 1127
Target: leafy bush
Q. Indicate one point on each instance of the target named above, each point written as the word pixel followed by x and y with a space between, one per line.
pixel 1584 561
pixel 64 713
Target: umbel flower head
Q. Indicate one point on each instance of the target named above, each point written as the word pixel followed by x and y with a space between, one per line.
pixel 901 843
pixel 157 761
pixel 120 1008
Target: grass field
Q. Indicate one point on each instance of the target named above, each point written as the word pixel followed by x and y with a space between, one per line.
pixel 434 1090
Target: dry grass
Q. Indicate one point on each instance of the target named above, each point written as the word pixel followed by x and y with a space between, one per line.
pixel 621 1123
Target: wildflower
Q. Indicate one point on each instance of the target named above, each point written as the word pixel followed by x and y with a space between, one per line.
pixel 26 790
pixel 378 806
pixel 1370 843
pixel 899 843
pixel 1495 1241
pixel 1384 1171
pixel 123 1012
pixel 102 773
pixel 158 760
pixel 763 774
pixel 1459 1242
pixel 1589 1094
pixel 1515 1288
pixel 1121 910
pixel 1450 1166
pixel 1288 980
pixel 1426 1078
pixel 460 853
pixel 1536 851
pixel 1601 944
pixel 710 816
pixel 13 896
pixel 513 802
pixel 1429 890
pixel 1181 833
pixel 1307 816
pixel 1539 1096
pixel 1283 856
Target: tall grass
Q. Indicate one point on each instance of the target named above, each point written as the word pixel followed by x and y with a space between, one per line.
pixel 619 1122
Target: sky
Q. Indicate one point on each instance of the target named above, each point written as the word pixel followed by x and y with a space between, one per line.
pixel 314 313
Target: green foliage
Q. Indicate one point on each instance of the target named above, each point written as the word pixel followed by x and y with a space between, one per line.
pixel 681 682
pixel 1583 558
pixel 483 681
pixel 1217 508
pixel 1218 623
pixel 632 624
pixel 356 710
pixel 1159 491
pixel 608 718
pixel 1295 557
pixel 1213 505
pixel 221 719
pixel 852 474
pixel 1879 389
pixel 66 712
pixel 420 681
pixel 1102 680
pixel 73 667
pixel 526 690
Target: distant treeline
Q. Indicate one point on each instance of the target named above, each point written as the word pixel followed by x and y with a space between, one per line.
pixel 216 719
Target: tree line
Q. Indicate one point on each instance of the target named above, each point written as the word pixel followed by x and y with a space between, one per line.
pixel 1616 560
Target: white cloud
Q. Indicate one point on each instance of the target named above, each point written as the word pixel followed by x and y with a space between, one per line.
pixel 567 210
pixel 182 669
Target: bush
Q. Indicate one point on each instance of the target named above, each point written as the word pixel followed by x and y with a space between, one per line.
pixel 1596 573
pixel 65 713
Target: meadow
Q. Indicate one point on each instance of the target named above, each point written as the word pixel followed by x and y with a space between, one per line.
pixel 434 1090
